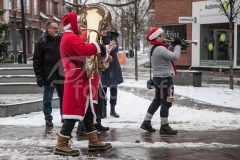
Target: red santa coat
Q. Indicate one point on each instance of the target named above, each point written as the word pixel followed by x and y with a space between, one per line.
pixel 96 78
pixel 76 97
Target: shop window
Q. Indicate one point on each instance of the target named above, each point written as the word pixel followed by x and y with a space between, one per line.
pixel 35 7
pixel 34 39
pixel 50 8
pixel 176 31
pixel 214 40
pixel 19 40
pixel 27 4
pixel 10 5
pixel 10 37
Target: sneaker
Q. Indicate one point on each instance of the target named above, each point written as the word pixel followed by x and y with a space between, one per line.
pixel 166 129
pixel 49 123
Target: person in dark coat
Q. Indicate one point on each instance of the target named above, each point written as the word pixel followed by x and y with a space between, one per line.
pixel 48 68
pixel 112 76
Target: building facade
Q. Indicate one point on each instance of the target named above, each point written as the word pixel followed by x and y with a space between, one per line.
pixel 36 14
pixel 201 20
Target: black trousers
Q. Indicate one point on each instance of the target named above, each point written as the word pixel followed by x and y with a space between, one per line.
pixel 69 124
pixel 100 104
pixel 161 93
pixel 113 95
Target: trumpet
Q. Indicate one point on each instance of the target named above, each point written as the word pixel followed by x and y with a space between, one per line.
pixel 185 43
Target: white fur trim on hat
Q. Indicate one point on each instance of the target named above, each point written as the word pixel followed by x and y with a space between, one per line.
pixel 155 34
pixel 67 26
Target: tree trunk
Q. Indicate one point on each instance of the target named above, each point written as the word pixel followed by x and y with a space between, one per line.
pixel 135 40
pixel 136 56
pixel 230 51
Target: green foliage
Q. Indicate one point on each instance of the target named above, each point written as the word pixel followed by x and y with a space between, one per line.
pixel 2 11
pixel 7 60
pixel 3 27
pixel 4 42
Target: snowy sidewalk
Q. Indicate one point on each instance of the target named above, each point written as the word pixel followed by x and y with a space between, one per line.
pixel 37 143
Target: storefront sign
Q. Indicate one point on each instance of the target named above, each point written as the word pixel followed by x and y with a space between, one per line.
pixel 186 20
pixel 213 6
pixel 170 34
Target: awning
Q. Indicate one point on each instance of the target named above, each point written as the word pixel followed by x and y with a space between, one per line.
pixel 56 19
pixel 43 15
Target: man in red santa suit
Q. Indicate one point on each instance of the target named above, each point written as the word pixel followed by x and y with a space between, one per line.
pixel 77 100
pixel 95 82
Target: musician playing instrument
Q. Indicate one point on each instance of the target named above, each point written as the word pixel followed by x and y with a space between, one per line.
pixel 97 101
pixel 163 71
pixel 76 105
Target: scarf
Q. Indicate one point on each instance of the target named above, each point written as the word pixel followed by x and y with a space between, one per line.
pixel 164 44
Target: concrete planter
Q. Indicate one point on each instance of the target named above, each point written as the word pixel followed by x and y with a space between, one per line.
pixel 188 78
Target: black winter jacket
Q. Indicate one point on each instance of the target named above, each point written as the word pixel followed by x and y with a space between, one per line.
pixel 47 62
pixel 112 76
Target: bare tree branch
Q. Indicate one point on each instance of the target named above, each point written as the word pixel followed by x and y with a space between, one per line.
pixel 117 5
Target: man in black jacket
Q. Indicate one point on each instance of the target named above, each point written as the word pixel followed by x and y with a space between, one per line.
pixel 48 68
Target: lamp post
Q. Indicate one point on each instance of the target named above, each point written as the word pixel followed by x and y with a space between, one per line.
pixel 23 34
pixel 15 36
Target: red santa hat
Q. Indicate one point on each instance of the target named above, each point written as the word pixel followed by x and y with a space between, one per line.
pixel 153 33
pixel 70 21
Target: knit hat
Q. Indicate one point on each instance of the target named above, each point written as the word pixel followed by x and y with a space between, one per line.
pixel 153 33
pixel 70 21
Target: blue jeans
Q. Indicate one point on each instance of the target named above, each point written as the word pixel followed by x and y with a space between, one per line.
pixel 47 99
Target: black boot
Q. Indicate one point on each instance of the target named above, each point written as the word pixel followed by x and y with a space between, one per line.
pixel 113 113
pixel 80 129
pixel 146 125
pixel 104 111
pixel 49 123
pixel 166 129
pixel 99 127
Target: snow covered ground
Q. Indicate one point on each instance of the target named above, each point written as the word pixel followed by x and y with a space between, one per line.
pixel 132 110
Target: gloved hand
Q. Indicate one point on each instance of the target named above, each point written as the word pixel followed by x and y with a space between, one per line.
pixel 103 50
pixel 177 41
pixel 40 81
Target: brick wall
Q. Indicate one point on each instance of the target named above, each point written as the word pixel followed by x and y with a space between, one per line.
pixel 1 7
pixel 167 12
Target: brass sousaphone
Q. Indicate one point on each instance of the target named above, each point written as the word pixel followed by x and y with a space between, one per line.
pixel 94 18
